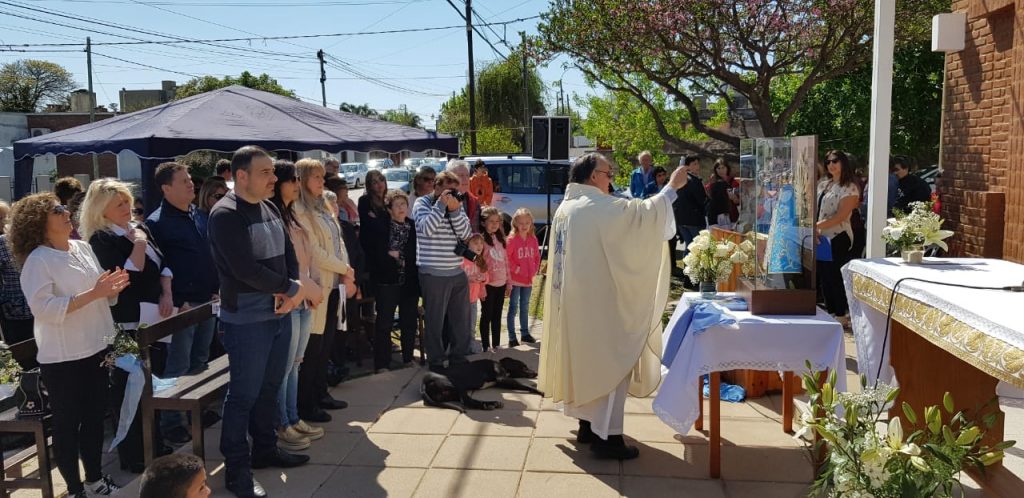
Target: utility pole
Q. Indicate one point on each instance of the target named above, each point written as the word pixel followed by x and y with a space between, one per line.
pixel 472 78
pixel 323 77
pixel 527 128
pixel 92 103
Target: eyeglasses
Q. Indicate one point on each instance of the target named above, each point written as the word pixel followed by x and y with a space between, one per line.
pixel 218 196
pixel 830 161
pixel 607 173
pixel 60 209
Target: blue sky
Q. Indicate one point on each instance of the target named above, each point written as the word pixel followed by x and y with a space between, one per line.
pixel 421 68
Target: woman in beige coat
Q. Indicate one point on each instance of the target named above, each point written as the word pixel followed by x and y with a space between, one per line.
pixel 330 265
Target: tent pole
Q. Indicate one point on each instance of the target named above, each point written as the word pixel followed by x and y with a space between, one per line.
pixel 92 103
pixel 881 121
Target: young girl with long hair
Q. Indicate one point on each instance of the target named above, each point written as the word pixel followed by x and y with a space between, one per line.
pixel 523 263
pixel 497 277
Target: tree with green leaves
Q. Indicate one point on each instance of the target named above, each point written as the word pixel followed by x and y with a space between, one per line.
pixel 204 84
pixel 719 50
pixel 360 110
pixel 403 117
pixel 499 102
pixel 27 85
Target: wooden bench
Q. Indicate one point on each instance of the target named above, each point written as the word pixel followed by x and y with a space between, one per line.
pixel 191 393
pixel 39 427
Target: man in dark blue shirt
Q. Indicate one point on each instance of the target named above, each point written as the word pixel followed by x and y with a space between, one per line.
pixel 187 253
pixel 259 286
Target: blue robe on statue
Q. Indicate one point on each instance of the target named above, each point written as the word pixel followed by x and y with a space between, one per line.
pixel 783 251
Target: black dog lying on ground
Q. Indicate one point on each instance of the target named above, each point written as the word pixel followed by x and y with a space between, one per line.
pixel 451 390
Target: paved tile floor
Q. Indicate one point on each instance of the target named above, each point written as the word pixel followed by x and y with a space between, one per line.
pixel 388 444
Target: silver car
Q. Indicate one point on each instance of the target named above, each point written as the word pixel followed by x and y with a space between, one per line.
pixel 519 182
pixel 398 178
pixel 380 163
pixel 353 173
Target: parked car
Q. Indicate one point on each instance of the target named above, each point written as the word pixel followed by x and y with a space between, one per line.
pixel 398 178
pixel 519 182
pixel 380 163
pixel 353 173
pixel 412 163
pixel 431 163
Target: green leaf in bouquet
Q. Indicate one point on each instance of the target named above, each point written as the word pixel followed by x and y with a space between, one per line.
pixel 947 435
pixel 947 402
pixel 892 395
pixel 909 412
pixel 990 458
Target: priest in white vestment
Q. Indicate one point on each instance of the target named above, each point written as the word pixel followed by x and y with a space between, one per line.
pixel 607 286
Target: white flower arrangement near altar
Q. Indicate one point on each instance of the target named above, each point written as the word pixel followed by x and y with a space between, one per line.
pixel 920 227
pixel 712 260
pixel 868 458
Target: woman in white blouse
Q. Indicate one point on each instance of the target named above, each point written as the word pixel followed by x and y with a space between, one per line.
pixel 837 198
pixel 70 297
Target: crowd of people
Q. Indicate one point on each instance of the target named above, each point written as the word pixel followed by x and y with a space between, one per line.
pixel 289 258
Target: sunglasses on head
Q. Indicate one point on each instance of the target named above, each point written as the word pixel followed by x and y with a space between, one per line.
pixel 60 209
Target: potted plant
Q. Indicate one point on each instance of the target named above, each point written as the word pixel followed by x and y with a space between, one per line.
pixel 711 260
pixel 866 457
pixel 10 372
pixel 911 232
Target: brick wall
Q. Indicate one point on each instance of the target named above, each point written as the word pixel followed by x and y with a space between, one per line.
pixel 76 164
pixel 981 186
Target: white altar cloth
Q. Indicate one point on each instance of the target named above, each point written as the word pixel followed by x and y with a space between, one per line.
pixel 982 327
pixel 762 342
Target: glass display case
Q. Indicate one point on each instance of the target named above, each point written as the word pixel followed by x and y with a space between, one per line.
pixel 777 209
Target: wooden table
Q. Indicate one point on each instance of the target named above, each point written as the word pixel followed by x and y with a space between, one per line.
pixel 941 338
pixel 769 343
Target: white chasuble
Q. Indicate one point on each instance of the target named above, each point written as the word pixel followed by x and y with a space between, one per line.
pixel 606 290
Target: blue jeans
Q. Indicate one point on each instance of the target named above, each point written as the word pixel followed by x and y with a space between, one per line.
pixel 289 392
pixel 519 300
pixel 188 352
pixel 258 357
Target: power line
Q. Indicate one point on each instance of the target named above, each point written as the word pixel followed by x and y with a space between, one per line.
pixel 247 4
pixel 477 31
pixel 250 39
pixel 144 65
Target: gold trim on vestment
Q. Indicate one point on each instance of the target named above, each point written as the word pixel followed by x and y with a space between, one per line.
pixel 986 353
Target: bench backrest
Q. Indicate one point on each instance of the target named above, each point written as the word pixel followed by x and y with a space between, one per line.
pixel 168 326
pixel 24 353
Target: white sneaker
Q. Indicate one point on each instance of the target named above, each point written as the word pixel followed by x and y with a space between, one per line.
pixel 103 487
pixel 311 431
pixel 289 439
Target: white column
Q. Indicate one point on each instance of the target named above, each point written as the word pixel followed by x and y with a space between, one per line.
pixel 881 118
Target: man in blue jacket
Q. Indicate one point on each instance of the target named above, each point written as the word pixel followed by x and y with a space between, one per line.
pixel 641 176
pixel 186 251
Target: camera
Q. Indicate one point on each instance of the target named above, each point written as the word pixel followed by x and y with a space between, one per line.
pixel 462 249
pixel 459 196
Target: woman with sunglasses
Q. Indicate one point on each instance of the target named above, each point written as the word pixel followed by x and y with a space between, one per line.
pixel 837 198
pixel 214 189
pixel 70 295
pixel 293 433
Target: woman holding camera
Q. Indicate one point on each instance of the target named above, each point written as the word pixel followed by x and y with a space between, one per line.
pixel 70 296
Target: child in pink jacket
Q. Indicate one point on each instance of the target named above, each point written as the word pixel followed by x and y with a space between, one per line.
pixel 476 273
pixel 523 263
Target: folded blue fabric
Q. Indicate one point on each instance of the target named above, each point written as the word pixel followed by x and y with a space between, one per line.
pixel 132 394
pixel 696 319
pixel 726 391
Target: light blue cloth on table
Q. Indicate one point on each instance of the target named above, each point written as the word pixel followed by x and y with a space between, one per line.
pixel 133 393
pixel 696 319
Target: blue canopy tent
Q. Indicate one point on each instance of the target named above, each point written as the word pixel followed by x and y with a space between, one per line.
pixel 224 120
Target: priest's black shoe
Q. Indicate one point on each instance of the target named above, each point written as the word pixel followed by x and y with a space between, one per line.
pixel 584 435
pixel 614 448
pixel 246 488
pixel 278 458
pixel 329 403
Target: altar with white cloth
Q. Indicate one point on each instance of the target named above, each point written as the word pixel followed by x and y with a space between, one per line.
pixel 774 343
pixel 967 341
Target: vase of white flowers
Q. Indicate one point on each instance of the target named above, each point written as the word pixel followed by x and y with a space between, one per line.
pixel 710 260
pixel 866 457
pixel 911 232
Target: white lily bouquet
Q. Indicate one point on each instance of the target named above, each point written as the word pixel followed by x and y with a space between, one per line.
pixel 868 458
pixel 920 227
pixel 712 260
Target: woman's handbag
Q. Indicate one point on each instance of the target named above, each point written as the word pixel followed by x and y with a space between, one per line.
pixel 31 395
